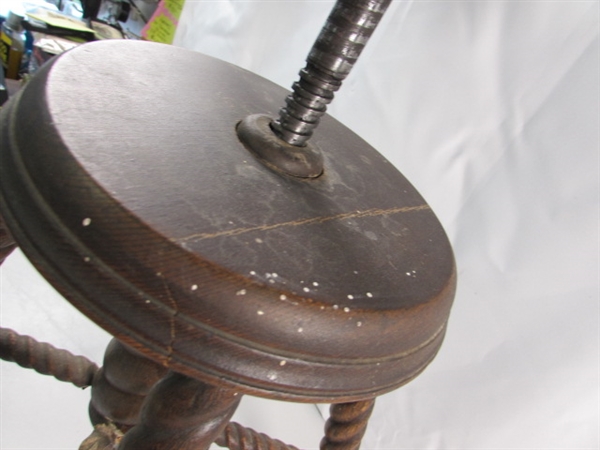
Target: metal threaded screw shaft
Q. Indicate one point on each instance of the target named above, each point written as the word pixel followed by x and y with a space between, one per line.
pixel 346 32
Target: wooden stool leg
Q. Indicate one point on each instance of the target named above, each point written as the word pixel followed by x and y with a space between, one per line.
pixel 346 425
pixel 118 393
pixel 181 413
pixel 121 385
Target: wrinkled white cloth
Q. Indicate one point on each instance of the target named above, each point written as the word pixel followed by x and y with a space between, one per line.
pixel 491 109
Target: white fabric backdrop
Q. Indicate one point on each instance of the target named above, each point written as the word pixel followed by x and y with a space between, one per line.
pixel 491 109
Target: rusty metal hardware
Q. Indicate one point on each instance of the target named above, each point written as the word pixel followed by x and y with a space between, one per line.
pixel 282 144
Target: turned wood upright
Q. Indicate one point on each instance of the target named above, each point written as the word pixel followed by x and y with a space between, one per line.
pixel 130 176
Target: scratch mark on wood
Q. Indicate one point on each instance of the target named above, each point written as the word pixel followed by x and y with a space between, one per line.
pixel 313 220
pixel 171 323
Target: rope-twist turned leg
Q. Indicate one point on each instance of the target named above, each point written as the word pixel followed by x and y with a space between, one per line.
pixel 118 392
pixel 346 425
pixel 121 385
pixel 46 359
pixel 237 437
pixel 344 429
pixel 181 413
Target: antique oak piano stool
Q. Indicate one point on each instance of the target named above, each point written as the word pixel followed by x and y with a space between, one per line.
pixel 227 253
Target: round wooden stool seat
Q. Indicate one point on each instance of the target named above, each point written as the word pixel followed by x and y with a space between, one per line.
pixel 127 186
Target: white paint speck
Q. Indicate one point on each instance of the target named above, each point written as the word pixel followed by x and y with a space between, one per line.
pixel 369 295
pixel 260 313
pixel 147 301
pixel 252 272
pixel 274 275
pixel 241 292
pixel 282 363
pixel 350 297
pixel 346 309
pixel 272 281
pixel 335 307
pixel 86 222
pixel 315 283
pixel 356 272
pixel 359 324
pixel 87 259
pixel 322 307
pixel 305 289
pixel 194 287
pixel 283 297
pixel 408 273
pixel 272 376
pixel 300 330
pixel 258 240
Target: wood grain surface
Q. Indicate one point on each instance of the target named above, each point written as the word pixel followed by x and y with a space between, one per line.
pixel 127 186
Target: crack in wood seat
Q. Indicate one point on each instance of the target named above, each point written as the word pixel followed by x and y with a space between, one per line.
pixel 126 185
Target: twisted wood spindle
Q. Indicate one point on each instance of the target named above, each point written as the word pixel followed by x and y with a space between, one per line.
pixel 237 437
pixel 46 359
pixel 121 385
pixel 181 413
pixel 233 437
pixel 346 425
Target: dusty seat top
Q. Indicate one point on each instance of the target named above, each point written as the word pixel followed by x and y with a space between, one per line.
pixel 127 186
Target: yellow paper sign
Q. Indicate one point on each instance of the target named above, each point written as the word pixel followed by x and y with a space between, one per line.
pixel 161 29
pixel 175 7
pixel 162 25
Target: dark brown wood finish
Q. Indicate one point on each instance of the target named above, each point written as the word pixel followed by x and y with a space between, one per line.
pixel 237 437
pixel 46 359
pixel 128 188
pixel 7 243
pixel 121 385
pixel 181 413
pixel 346 425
